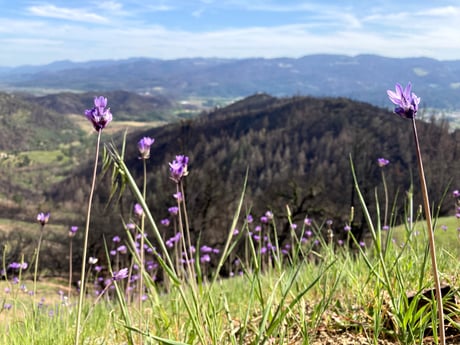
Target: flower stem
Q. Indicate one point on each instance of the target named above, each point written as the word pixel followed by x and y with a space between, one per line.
pixel 36 260
pixel 186 236
pixel 142 253
pixel 70 269
pixel 434 265
pixel 85 244
pixel 385 189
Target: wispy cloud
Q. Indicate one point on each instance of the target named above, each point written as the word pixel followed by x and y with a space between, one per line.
pixel 447 11
pixel 255 29
pixel 72 14
pixel 112 6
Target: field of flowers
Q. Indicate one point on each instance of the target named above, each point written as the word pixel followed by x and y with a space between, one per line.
pixel 312 288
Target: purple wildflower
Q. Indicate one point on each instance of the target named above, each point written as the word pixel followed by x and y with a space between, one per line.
pixel 121 274
pixel 144 147
pixel 138 211
pixel 205 258
pixel 406 101
pixel 178 196
pixel 43 218
pixel 178 168
pixel 456 193
pixel 165 222
pixel 249 218
pixel 206 249
pixel 100 116
pixel 269 215
pixel 172 240
pixel 174 210
pixel 116 239
pixel 382 162
pixel 73 230
pixel 347 228
pixel 18 265
pixel 122 249
pixel 307 221
pixel 14 265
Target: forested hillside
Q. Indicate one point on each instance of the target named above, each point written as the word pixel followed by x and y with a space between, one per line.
pixel 29 126
pixel 297 153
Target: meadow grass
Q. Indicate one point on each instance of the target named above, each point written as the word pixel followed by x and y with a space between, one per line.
pixel 321 281
pixel 336 290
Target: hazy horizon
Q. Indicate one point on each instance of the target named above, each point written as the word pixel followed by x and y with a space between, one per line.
pixel 37 33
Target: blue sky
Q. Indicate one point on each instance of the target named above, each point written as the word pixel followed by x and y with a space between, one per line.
pixel 39 32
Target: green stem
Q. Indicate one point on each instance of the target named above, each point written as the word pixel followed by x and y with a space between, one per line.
pixel 186 235
pixel 36 260
pixel 141 249
pixel 70 270
pixel 385 189
pixel 85 244
pixel 434 265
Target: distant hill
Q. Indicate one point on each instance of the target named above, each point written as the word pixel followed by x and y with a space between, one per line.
pixel 128 105
pixel 363 77
pixel 27 125
pixel 297 151
pixel 37 123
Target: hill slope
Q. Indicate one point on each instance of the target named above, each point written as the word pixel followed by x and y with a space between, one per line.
pixel 28 126
pixel 297 152
pixel 129 105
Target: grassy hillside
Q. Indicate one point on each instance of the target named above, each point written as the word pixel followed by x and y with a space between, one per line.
pixel 129 106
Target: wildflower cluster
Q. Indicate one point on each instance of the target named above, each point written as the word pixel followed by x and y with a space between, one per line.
pixel 137 268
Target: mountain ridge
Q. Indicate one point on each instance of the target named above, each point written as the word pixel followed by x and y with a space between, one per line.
pixel 361 77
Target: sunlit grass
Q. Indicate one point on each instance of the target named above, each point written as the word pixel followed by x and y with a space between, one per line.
pixel 446 234
pixel 241 309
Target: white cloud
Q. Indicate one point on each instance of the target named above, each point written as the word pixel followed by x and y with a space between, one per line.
pixel 446 11
pixel 73 14
pixel 431 32
pixel 112 6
